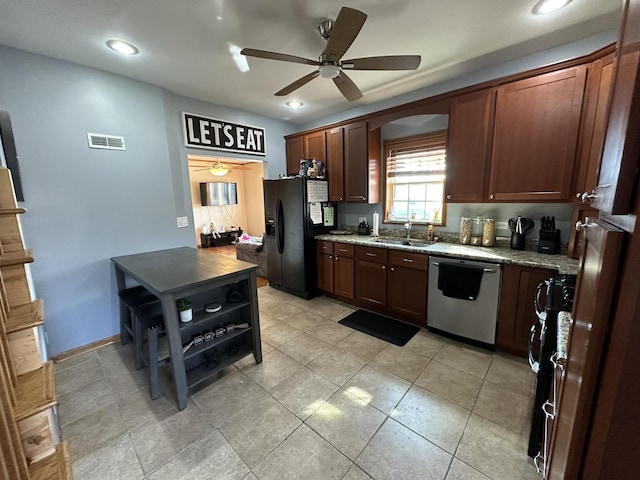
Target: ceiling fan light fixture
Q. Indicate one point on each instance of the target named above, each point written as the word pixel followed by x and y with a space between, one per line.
pixel 295 104
pixel 218 170
pixel 122 47
pixel 329 71
pixel 547 6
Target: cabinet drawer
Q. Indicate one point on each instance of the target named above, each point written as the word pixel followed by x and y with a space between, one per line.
pixel 324 247
pixel 417 261
pixel 343 250
pixel 372 254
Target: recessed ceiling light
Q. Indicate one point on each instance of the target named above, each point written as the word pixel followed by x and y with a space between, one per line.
pixel 294 104
pixel 547 6
pixel 122 47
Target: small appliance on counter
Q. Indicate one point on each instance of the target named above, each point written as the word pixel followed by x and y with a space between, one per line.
pixel 519 228
pixel 363 228
pixel 549 236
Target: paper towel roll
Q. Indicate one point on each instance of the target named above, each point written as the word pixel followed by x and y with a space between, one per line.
pixel 376 224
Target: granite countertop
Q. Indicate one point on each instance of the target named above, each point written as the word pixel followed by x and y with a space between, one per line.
pixel 498 254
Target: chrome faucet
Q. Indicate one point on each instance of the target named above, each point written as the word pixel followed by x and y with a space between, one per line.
pixel 407 227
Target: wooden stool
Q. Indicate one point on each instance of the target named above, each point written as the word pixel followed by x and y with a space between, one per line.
pixel 132 298
pixel 149 326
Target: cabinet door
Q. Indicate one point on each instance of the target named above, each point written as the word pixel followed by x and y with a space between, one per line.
pixel 355 162
pixel 535 137
pixel 343 276
pixel 407 293
pixel 594 125
pixel 371 275
pixel 618 171
pixel 468 147
pixel 516 307
pixel 592 314
pixel 371 282
pixel 316 146
pixel 335 164
pixel 295 152
pixel 325 272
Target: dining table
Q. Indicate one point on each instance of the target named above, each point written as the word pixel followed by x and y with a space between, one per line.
pixel 186 272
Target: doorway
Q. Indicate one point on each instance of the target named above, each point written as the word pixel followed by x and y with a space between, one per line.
pixel 245 211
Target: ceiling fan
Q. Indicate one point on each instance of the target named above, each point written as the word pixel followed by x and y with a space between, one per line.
pixel 339 35
pixel 218 169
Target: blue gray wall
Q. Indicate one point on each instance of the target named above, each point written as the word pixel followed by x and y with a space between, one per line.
pixel 85 206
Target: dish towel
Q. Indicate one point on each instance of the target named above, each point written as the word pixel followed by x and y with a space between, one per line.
pixel 459 281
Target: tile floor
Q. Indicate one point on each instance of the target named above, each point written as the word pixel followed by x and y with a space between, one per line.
pixel 327 402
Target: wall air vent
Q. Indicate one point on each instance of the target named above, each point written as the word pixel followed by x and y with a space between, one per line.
pixel 107 142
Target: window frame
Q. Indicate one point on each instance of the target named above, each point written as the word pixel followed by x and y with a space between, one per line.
pixel 425 140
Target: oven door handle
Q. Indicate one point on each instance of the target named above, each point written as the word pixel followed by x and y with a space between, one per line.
pixel 535 366
pixel 536 302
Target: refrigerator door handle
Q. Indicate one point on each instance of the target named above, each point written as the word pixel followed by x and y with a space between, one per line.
pixel 279 226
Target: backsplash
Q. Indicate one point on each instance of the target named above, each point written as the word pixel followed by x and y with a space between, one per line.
pixel 349 216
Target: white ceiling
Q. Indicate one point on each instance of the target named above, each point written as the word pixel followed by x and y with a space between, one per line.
pixel 184 45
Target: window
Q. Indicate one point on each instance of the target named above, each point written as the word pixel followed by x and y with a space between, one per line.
pixel 414 178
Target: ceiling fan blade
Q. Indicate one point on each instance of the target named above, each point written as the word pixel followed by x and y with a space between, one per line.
pixel 252 52
pixel 297 84
pixel 344 31
pixel 346 86
pixel 391 62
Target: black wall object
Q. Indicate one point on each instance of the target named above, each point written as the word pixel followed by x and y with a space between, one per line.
pixel 10 154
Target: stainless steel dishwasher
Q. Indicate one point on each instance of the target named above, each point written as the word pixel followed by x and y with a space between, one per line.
pixel 464 305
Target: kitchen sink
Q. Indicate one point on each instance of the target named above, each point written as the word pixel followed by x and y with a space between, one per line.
pixel 407 242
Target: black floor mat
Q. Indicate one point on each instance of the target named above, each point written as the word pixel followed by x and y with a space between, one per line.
pixel 384 328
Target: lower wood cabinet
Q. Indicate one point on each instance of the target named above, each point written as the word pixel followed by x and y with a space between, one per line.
pixel 336 268
pixel 391 282
pixel 407 283
pixel 371 276
pixel 517 312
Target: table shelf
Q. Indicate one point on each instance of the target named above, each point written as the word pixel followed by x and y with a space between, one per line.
pixel 201 372
pixel 200 316
pixel 203 347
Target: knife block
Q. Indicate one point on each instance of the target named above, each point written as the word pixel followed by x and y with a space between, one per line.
pixel 549 242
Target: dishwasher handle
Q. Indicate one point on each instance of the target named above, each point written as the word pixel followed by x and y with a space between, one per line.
pixel 486 270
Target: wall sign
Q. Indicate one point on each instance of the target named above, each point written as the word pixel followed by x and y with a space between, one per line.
pixel 214 134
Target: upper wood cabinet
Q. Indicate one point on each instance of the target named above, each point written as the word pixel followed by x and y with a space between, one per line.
pixel 335 164
pixel 295 153
pixel 312 145
pixel 615 193
pixel 468 148
pixel 592 133
pixel 361 163
pixel 594 125
pixel 535 137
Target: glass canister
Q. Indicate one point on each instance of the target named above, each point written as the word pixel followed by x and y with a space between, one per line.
pixel 489 232
pixel 476 231
pixel 465 230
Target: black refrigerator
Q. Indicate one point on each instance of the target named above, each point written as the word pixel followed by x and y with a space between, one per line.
pixel 296 210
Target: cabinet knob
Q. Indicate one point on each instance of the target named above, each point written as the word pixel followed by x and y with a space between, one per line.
pixel 392 269
pixel 587 197
pixel 362 197
pixel 384 267
pixel 491 197
pixel 448 197
pixel 586 224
